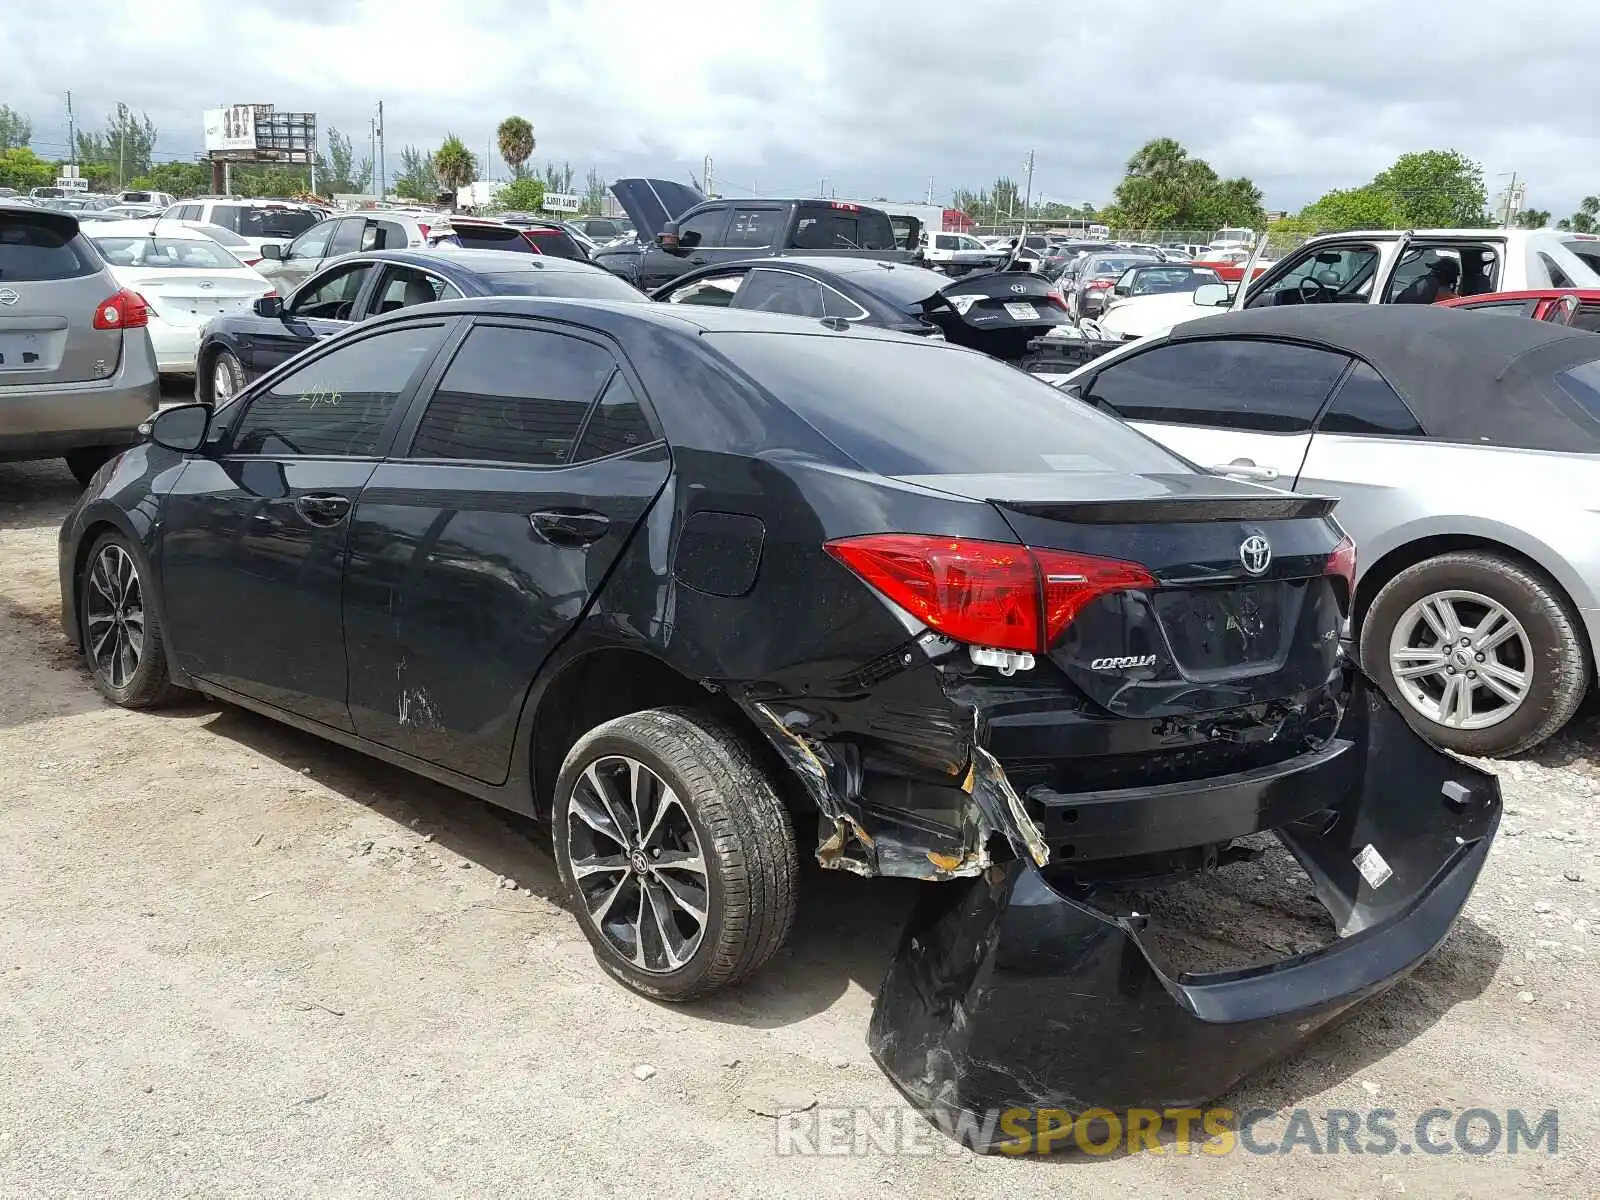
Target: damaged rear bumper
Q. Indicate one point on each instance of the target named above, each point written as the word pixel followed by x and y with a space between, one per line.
pixel 1025 988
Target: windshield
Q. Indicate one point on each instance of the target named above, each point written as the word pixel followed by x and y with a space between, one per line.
pixel 575 285
pixel 1161 281
pixel 1101 268
pixel 156 252
pixel 275 222
pixel 907 408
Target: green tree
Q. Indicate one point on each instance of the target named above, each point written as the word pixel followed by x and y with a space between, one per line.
pixel 1436 189
pixel 16 131
pixel 1164 188
pixel 521 195
pixel 124 149
pixel 454 163
pixel 515 136
pixel 178 178
pixel 1585 220
pixel 341 172
pixel 558 179
pixel 418 177
pixel 594 193
pixel 21 168
pixel 1533 218
pixel 1369 207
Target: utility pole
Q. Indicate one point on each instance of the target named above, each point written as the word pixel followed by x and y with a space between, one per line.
pixel 710 192
pixel 823 190
pixel 930 189
pixel 383 175
pixel 372 153
pixel 1027 200
pixel 1511 197
pixel 122 154
pixel 72 140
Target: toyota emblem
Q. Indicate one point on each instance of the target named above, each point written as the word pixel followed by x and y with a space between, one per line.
pixel 8 296
pixel 1255 554
pixel 1017 287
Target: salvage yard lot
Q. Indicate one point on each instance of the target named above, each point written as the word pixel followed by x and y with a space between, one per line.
pixel 238 960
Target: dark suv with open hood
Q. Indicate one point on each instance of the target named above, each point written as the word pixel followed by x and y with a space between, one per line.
pixel 679 230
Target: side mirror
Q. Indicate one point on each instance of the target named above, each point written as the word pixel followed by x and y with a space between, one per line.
pixel 1211 295
pixel 182 427
pixel 667 239
pixel 268 306
pixel 275 253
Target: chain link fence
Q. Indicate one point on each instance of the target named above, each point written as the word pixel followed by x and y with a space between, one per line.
pixel 1195 240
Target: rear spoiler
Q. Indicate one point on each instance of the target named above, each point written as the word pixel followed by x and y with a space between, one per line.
pixel 1286 507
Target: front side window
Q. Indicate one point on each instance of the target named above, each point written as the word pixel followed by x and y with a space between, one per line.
pixel 339 404
pixel 717 291
pixel 1240 383
pixel 313 243
pixel 330 297
pixel 346 236
pixel 703 229
pixel 754 228
pixel 513 395
pixel 1332 275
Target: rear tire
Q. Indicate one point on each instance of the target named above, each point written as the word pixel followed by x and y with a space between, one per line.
pixel 626 852
pixel 121 634
pixel 85 462
pixel 1540 652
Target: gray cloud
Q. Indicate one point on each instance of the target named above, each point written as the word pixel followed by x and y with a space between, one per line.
pixel 1302 97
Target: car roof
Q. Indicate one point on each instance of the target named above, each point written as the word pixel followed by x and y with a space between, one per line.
pixel 1468 377
pixel 148 227
pixel 481 262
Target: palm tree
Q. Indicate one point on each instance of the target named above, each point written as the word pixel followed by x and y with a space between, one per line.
pixel 516 143
pixel 454 163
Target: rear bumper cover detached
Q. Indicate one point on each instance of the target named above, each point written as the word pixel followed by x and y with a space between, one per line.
pixel 1021 988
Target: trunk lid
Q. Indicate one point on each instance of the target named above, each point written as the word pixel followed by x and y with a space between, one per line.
pixel 51 284
pixel 1243 611
pixel 651 203
pixel 180 298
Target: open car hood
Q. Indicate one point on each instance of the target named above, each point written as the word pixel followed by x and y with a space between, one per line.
pixel 651 203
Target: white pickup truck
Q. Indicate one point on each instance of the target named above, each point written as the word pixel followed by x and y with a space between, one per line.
pixel 1381 267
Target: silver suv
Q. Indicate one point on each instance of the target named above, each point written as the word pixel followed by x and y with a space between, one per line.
pixel 77 372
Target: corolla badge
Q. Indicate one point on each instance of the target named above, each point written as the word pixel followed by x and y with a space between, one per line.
pixel 1255 554
pixel 9 296
pixel 1122 662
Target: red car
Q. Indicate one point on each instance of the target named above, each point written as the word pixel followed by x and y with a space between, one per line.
pixel 1578 307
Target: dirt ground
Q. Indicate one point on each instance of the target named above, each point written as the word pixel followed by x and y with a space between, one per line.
pixel 238 961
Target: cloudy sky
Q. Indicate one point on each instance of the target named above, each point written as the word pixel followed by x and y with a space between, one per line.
pixel 1301 95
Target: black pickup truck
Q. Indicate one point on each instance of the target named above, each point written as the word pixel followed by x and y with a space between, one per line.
pixel 679 231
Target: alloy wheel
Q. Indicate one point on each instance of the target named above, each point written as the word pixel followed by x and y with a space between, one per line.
pixel 114 615
pixel 222 379
pixel 1461 659
pixel 637 864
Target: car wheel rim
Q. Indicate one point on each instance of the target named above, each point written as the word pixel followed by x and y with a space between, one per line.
pixel 637 864
pixel 222 380
pixel 114 616
pixel 1461 660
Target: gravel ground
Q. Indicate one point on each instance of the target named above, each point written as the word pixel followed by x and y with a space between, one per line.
pixel 235 960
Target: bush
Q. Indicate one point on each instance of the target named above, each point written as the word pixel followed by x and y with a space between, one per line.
pixel 521 195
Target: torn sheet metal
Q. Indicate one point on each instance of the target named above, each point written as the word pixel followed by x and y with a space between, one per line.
pixel 1026 988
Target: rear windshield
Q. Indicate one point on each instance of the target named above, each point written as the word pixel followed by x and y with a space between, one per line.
pixel 823 227
pixel 557 243
pixel 30 250
pixel 492 237
pixel 264 222
pixel 158 252
pixel 575 285
pixel 907 408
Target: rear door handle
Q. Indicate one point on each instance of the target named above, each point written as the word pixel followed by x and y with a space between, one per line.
pixel 1243 468
pixel 323 508
pixel 568 527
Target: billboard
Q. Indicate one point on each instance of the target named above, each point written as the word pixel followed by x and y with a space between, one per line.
pixel 231 128
pixel 561 202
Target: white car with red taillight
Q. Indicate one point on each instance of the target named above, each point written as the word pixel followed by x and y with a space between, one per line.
pixel 184 277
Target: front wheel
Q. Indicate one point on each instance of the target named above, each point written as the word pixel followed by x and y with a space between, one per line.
pixel 122 641
pixel 1483 655
pixel 678 855
pixel 227 377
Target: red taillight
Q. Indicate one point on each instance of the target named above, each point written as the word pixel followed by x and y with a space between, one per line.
pixel 1096 284
pixel 995 594
pixel 841 205
pixel 122 310
pixel 1054 296
pixel 1342 562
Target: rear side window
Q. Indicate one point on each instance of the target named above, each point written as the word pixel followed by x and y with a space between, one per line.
pixel 618 423
pixel 34 251
pixel 557 243
pixel 1245 383
pixel 1367 404
pixel 905 408
pixel 513 395
pixel 339 404
pixel 823 227
pixel 755 228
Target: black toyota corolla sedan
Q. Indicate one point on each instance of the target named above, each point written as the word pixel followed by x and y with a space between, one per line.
pixel 701 586
pixel 235 348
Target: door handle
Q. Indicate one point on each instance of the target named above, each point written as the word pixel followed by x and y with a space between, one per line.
pixel 323 508
pixel 568 527
pixel 1243 468
pixel 698 260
